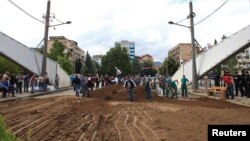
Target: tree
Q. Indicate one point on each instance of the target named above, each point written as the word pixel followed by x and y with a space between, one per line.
pixel 164 68
pixel 172 66
pixel 230 64
pixel 116 57
pixel 88 68
pixel 97 67
pixel 56 54
pixel 137 67
pixel 56 50
pixel 169 66
pixel 7 65
pixel 65 64
pixel 148 68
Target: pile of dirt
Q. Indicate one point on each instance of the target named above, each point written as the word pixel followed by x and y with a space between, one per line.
pixel 119 93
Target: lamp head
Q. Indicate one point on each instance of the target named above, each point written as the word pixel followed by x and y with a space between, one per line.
pixel 170 22
pixel 68 22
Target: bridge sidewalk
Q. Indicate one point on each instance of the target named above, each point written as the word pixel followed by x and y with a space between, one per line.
pixel 25 95
pixel 237 99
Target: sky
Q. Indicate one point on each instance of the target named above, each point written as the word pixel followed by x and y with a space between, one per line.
pixel 98 24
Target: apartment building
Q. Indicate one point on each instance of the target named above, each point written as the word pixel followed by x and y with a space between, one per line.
pixel 130 47
pixel 71 48
pixel 182 52
pixel 243 59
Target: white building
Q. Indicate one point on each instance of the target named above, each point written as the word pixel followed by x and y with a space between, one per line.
pixel 130 47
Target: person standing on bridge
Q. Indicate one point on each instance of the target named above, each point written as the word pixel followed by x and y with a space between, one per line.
pixel 184 81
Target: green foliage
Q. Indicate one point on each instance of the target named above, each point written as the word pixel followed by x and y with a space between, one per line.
pixel 5 135
pixel 230 65
pixel 164 68
pixel 149 68
pixel 56 50
pixel 97 67
pixel 56 54
pixel 65 64
pixel 172 66
pixel 169 67
pixel 116 57
pixel 7 65
pixel 137 67
pixel 88 68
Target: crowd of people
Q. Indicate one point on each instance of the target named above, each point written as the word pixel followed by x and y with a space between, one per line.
pixel 237 84
pixel 11 84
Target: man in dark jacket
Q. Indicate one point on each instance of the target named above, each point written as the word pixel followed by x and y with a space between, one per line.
pixel 130 85
pixel 77 83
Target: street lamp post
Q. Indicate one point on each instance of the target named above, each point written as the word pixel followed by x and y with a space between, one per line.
pixel 46 33
pixel 194 70
pixel 182 62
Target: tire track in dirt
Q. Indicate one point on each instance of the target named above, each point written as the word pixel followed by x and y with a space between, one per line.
pixel 145 130
pixel 36 122
pixel 29 122
pixel 85 127
pixel 24 117
pixel 16 108
pixel 116 126
pixel 43 124
pixel 139 128
pixel 128 129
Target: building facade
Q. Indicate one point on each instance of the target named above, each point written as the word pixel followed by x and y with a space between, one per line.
pixel 130 46
pixel 71 48
pixel 147 57
pixel 182 52
pixel 75 54
pixel 98 58
pixel 243 59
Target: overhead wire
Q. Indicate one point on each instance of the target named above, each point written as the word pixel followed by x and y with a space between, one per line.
pixel 25 11
pixel 211 13
pixel 182 20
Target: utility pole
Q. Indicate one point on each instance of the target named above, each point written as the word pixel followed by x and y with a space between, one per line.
pixel 194 70
pixel 46 32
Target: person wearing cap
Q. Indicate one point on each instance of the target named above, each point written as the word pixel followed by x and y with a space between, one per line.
pixel 184 81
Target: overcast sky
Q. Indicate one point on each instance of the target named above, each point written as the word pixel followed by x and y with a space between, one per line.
pixel 97 24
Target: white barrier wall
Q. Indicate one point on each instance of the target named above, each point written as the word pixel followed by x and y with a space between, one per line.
pixel 215 55
pixel 31 59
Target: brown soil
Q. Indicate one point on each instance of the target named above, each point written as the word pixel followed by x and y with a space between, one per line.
pixel 108 116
